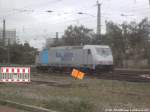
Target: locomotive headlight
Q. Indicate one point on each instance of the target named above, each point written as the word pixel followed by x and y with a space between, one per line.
pixel 105 62
pixel 101 62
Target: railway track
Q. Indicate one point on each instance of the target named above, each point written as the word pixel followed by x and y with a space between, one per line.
pixel 131 75
pixel 12 106
pixel 51 83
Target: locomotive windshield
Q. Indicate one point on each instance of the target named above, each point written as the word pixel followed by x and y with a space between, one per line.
pixel 103 51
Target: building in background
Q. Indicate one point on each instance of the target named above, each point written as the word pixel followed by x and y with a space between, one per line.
pixel 50 42
pixel 53 42
pixel 9 35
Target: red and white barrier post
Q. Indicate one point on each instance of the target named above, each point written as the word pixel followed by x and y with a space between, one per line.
pixel 15 74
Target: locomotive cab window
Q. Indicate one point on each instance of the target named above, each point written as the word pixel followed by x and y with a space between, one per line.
pixel 103 51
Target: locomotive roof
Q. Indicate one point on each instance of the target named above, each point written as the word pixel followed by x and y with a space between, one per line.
pixel 100 46
pixel 80 47
pixel 68 47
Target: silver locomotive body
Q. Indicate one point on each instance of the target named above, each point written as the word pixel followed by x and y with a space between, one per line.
pixel 87 57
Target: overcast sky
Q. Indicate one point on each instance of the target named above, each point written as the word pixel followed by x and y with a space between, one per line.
pixel 34 24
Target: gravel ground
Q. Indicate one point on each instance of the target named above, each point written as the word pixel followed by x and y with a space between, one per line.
pixel 9 109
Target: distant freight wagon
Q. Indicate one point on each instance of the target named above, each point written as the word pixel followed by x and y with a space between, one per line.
pixel 86 58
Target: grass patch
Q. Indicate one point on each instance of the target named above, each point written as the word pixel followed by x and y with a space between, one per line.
pixel 88 95
pixel 70 105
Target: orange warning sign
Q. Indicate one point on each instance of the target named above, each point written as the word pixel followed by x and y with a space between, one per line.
pixel 77 74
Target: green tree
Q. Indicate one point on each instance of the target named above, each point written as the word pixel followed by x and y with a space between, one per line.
pixel 77 35
pixel 115 40
pixel 128 41
pixel 22 54
pixel 138 38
